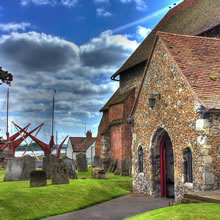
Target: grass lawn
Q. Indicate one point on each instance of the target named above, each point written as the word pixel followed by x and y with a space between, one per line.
pixel 201 211
pixel 19 201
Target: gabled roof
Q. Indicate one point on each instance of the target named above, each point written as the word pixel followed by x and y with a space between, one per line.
pixel 198 59
pixel 191 17
pixel 116 98
pixel 81 144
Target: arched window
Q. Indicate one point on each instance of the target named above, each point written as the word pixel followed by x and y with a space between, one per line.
pixel 140 159
pixel 187 156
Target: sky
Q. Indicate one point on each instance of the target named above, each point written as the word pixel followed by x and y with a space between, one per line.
pixel 73 47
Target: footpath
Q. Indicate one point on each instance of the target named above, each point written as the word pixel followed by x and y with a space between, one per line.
pixel 115 209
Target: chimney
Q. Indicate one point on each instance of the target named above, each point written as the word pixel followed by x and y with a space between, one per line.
pixel 88 134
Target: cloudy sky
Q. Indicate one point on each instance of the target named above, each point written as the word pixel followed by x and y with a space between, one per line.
pixel 72 46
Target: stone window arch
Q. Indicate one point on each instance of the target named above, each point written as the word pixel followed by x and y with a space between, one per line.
pixel 187 157
pixel 140 160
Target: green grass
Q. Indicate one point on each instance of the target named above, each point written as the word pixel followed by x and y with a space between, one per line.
pixel 199 211
pixel 19 201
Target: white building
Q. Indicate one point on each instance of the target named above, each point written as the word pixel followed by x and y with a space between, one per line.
pixel 78 145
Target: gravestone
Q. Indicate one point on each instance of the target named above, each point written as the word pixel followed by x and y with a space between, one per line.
pixel 60 172
pixel 113 166
pixel 96 161
pixel 126 166
pixel 106 163
pixel 98 173
pixel 81 162
pixel 48 162
pixel 38 178
pixel 29 166
pixel 117 172
pixel 14 170
pixel 71 169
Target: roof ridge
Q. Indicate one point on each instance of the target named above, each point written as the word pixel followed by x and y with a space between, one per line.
pixel 187 35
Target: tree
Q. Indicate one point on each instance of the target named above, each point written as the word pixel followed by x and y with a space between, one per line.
pixel 5 77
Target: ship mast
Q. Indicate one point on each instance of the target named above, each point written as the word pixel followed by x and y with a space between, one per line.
pixel 7 133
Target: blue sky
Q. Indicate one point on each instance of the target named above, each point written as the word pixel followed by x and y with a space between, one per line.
pixel 72 46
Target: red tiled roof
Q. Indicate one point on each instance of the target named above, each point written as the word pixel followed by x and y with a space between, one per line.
pixel 116 98
pixel 199 61
pixel 81 144
pixel 191 17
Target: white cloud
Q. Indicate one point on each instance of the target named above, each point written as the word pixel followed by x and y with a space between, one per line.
pixel 142 32
pixel 140 4
pixel 103 13
pixel 67 3
pixel 80 74
pixel 12 26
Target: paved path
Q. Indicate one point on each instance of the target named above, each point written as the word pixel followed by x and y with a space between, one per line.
pixel 115 209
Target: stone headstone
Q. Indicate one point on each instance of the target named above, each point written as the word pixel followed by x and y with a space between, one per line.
pixel 117 172
pixel 113 166
pixel 38 178
pixel 126 167
pixel 71 168
pixel 96 161
pixel 48 162
pixel 60 172
pixel 29 166
pixel 14 170
pixel 81 162
pixel 106 163
pixel 98 173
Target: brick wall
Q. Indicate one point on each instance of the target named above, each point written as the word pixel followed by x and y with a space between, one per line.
pixel 103 127
pixel 116 112
pixel 175 113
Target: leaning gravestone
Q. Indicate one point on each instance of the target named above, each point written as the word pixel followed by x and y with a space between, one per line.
pixel 29 166
pixel 38 178
pixel 126 166
pixel 96 161
pixel 113 166
pixel 71 168
pixel 14 170
pixel 98 173
pixel 60 172
pixel 48 162
pixel 81 162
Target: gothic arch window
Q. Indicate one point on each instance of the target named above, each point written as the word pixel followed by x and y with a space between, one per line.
pixel 187 156
pixel 140 159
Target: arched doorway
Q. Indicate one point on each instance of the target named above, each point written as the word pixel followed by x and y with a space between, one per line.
pixel 163 164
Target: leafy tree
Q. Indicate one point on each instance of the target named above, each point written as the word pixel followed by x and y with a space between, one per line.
pixel 5 77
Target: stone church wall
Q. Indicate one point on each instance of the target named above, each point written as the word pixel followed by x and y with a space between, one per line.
pixel 176 113
pixel 131 78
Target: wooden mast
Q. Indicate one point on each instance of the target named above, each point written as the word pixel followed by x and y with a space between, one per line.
pixel 7 133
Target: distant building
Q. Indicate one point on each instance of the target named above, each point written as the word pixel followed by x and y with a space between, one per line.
pixel 78 145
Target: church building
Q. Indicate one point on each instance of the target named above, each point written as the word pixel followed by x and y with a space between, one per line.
pixel 176 118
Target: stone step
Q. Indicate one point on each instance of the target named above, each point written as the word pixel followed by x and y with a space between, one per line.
pixel 188 200
pixel 200 198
